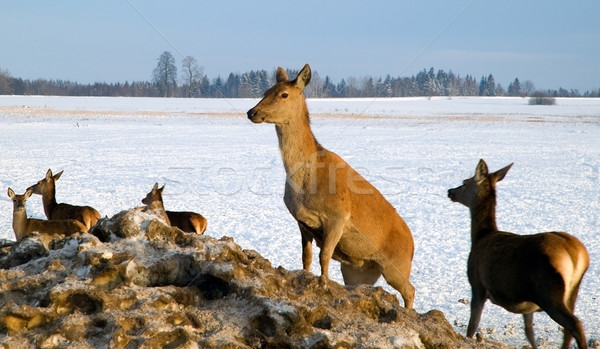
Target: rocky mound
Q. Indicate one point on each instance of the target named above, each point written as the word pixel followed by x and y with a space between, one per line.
pixel 134 282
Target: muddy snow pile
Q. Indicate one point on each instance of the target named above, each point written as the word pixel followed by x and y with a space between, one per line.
pixel 134 282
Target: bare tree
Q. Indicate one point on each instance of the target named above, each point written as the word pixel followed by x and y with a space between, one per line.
pixel 528 87
pixel 165 74
pixel 191 74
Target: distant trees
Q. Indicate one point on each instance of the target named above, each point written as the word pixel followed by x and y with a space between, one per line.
pixel 4 82
pixel 252 84
pixel 165 74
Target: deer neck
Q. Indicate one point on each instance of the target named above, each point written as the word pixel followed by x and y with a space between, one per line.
pixel 298 147
pixel 49 201
pixel 483 218
pixel 19 223
pixel 157 205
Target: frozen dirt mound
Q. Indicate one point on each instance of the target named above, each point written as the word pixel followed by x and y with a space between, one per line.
pixel 134 282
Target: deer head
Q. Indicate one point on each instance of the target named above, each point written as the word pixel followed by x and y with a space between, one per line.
pixel 281 102
pixel 479 187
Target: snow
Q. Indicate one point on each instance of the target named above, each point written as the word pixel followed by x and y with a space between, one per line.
pixel 215 162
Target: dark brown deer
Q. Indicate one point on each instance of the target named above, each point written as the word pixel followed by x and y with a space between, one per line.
pixel 46 187
pixel 521 273
pixel 23 226
pixel 333 204
pixel 189 222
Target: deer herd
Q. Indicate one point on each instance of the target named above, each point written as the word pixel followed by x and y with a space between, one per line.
pixel 65 219
pixel 351 222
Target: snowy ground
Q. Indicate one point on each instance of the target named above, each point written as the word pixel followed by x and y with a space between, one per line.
pixel 214 161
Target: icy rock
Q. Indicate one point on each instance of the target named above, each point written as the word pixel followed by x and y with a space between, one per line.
pixel 135 282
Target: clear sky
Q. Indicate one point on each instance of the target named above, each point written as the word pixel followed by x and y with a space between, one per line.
pixel 552 43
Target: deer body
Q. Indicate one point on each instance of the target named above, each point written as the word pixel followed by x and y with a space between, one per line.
pixel 190 222
pixel 333 204
pixel 23 226
pixel 46 187
pixel 521 273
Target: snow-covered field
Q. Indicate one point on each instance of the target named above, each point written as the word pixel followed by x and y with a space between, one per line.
pixel 214 161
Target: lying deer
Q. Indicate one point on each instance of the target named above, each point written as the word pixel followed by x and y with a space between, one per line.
pixel 154 203
pixel 46 187
pixel 334 205
pixel 190 222
pixel 23 226
pixel 521 273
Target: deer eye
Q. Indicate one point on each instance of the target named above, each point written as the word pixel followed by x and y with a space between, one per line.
pixel 284 95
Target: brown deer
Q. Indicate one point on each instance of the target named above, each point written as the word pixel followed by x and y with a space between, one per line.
pixel 334 205
pixel 154 203
pixel 189 222
pixel 521 273
pixel 46 187
pixel 23 226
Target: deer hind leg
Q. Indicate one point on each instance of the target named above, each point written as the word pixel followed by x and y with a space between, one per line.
pixel 367 274
pixel 528 319
pixel 559 312
pixel 567 336
pixel 395 278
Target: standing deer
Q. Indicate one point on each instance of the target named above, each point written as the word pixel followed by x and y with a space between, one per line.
pixel 46 187
pixel 521 273
pixel 23 226
pixel 334 205
pixel 190 222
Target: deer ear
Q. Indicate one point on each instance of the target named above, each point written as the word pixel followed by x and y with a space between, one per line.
pixel 281 75
pixel 163 187
pixel 481 172
pixel 303 77
pixel 57 176
pixel 155 187
pixel 49 174
pixel 502 172
pixel 11 193
pixel 28 193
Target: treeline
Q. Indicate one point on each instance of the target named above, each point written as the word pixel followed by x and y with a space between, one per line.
pixel 252 84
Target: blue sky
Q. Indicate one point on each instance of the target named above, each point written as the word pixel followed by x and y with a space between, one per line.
pixel 552 43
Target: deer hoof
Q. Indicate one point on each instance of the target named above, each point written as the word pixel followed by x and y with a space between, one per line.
pixel 324 282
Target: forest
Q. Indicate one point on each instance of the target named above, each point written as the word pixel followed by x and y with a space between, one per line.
pixel 193 83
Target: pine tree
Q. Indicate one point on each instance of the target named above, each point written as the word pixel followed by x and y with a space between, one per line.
pixel 514 88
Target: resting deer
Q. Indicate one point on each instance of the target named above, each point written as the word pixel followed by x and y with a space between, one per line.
pixel 23 226
pixel 521 273
pixel 46 187
pixel 154 203
pixel 334 205
pixel 190 222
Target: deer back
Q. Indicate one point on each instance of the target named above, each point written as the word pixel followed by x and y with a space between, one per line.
pixel 189 222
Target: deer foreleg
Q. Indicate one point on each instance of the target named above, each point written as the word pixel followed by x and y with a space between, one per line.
pixel 528 319
pixel 477 302
pixel 306 247
pixel 332 233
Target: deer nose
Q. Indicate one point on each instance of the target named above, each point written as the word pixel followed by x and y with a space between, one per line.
pixel 451 194
pixel 251 113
